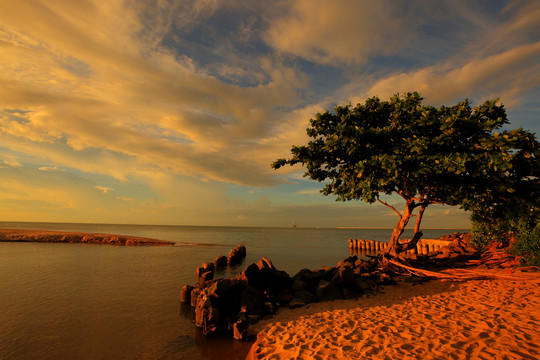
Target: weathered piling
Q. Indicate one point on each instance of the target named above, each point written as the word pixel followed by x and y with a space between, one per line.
pixel 367 245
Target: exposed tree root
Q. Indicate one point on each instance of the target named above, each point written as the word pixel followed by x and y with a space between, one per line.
pixel 496 258
pixel 464 274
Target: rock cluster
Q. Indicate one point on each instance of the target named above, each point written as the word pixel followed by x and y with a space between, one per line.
pixel 260 289
pixel 460 245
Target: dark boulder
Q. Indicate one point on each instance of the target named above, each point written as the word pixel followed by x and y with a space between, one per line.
pixel 223 288
pixel 349 294
pixel 344 278
pixel 348 262
pixel 327 291
pixel 194 296
pixel 304 295
pixel 208 266
pixel 236 255
pixel 220 261
pixel 206 314
pixel 363 266
pixel 252 302
pixel 271 281
pixel 251 274
pixel 296 303
pixel 240 329
pixel 385 279
pixel 185 294
pixel 284 296
pixel 203 274
pixel 298 285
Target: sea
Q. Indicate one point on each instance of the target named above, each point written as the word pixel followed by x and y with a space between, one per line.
pixel 88 301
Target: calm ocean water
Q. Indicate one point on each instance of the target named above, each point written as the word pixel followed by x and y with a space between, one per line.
pixel 82 301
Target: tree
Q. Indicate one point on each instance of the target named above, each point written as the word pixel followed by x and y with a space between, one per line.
pixel 427 155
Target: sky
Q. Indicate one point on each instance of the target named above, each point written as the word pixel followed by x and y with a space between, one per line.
pixel 171 111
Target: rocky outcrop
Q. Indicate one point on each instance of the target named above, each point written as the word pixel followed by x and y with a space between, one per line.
pixel 236 255
pixel 232 305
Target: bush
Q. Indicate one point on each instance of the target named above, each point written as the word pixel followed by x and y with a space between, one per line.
pixel 517 226
pixel 527 246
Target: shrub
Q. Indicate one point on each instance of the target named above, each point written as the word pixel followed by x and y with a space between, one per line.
pixel 516 226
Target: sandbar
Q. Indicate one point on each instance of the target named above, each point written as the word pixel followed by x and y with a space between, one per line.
pixel 476 319
pixel 18 235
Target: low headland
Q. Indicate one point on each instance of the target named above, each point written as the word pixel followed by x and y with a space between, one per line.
pixel 18 235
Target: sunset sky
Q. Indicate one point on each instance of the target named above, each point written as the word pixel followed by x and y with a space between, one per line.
pixel 170 112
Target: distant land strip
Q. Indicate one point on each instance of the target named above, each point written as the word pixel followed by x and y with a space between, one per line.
pixel 17 235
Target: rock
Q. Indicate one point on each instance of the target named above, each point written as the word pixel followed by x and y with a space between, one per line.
pixel 203 274
pixel 185 294
pixel 271 281
pixel 223 288
pixel 363 284
pixel 236 255
pixel 252 301
pixel 348 262
pixel 298 285
pixel 194 296
pixel 220 261
pixel 296 303
pixel 208 266
pixel 251 274
pixel 327 291
pixel 206 315
pixel 304 295
pixel 269 308
pixel 265 263
pixel 242 250
pixel 241 329
pixel 349 294
pixel 303 275
pixel 311 278
pixel 284 296
pixel 385 279
pixel 344 278
pixel 363 266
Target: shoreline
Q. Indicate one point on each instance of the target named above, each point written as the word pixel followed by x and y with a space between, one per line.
pixel 45 236
pixel 437 319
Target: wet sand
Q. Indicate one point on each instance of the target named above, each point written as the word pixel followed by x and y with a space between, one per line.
pixel 478 319
pixel 18 235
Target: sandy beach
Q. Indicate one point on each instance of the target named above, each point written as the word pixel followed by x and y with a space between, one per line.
pixel 478 319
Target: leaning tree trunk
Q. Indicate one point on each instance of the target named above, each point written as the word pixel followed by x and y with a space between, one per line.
pixel 395 246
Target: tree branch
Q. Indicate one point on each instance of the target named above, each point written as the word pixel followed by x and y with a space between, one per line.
pixel 390 206
pixel 419 219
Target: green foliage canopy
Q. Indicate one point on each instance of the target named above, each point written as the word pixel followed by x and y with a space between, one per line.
pixel 454 155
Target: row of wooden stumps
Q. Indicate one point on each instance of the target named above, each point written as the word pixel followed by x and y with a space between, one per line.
pixel 371 246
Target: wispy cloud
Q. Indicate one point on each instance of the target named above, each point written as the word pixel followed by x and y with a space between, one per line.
pixel 104 189
pixel 49 168
pixel 9 163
